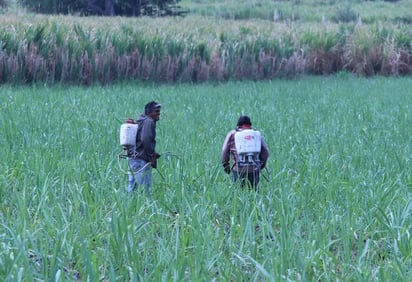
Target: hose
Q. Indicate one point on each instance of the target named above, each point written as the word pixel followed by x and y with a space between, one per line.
pixel 123 156
pixel 267 178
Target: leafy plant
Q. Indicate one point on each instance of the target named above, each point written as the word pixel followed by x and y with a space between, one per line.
pixel 336 204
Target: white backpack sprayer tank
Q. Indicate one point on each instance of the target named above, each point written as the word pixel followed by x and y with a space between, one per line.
pixel 248 144
pixel 128 132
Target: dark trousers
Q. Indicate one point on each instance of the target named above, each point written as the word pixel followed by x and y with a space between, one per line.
pixel 249 179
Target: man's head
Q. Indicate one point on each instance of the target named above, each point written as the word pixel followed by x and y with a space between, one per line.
pixel 152 109
pixel 244 120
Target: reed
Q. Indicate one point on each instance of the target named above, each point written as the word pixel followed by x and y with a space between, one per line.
pixel 85 51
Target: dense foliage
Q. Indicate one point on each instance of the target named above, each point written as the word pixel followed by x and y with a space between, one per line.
pixel 337 205
pixel 213 43
pixel 86 51
pixel 105 8
pixel 304 11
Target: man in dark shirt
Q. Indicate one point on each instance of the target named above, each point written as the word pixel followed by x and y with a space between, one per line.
pixel 144 155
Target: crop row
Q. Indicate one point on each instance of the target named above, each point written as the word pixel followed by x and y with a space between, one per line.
pixel 87 51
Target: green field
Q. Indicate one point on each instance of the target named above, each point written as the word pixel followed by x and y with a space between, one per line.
pixel 336 205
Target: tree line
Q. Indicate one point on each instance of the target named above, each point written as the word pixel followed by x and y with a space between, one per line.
pixel 130 8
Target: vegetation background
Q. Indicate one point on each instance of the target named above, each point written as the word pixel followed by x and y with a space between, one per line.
pixel 217 41
pixel 335 204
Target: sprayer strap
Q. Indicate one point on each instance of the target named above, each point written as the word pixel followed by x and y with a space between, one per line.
pixel 132 154
pixel 247 164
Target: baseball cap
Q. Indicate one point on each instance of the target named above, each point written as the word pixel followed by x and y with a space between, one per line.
pixel 151 106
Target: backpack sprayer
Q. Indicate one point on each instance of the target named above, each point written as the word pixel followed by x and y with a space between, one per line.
pixel 248 143
pixel 128 132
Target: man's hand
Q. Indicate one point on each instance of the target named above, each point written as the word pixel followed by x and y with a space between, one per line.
pixel 153 162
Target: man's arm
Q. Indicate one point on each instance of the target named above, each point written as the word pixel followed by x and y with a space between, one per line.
pixel 264 154
pixel 148 137
pixel 225 156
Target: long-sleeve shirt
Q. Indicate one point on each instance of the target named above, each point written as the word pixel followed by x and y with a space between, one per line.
pixel 146 138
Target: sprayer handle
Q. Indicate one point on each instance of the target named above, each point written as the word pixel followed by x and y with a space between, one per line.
pixel 130 120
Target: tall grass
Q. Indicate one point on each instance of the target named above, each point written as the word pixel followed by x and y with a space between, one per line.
pixel 309 11
pixel 337 205
pixel 86 51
